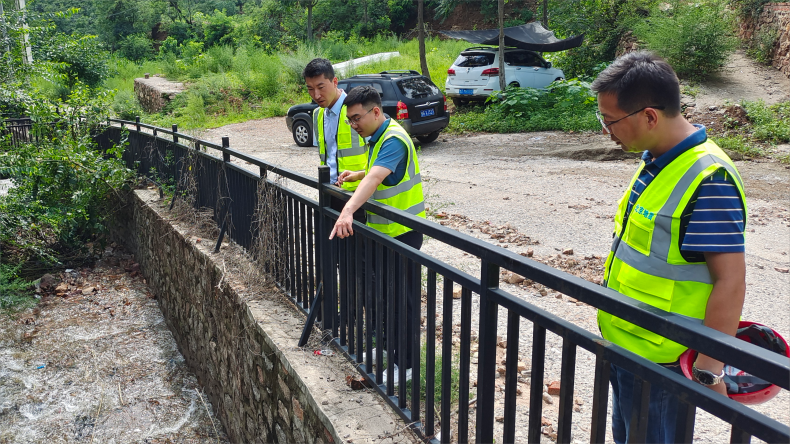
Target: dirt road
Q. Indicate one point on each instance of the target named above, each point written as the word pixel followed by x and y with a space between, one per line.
pixel 560 189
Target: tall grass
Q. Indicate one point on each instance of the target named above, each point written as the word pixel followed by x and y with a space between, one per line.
pixel 249 83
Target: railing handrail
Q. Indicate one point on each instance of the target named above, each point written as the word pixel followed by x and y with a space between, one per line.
pixel 748 357
pixel 755 360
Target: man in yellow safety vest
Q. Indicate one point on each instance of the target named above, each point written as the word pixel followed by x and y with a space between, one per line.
pixel 678 238
pixel 392 177
pixel 339 145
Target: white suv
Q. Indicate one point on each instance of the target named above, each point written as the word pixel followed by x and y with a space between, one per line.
pixel 475 73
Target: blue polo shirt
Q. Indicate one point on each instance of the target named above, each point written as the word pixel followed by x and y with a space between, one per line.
pixel 393 155
pixel 713 221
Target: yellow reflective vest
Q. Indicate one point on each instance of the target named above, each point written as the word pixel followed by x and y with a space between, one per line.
pixel 645 261
pixel 407 194
pixel 352 151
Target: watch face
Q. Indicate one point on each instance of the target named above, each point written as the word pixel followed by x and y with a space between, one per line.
pixel 704 377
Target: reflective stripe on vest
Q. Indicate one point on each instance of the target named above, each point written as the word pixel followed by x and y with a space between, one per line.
pixel 645 261
pixel 352 151
pixel 407 194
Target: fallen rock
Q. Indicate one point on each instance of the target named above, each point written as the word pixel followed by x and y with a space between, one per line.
pixel 457 294
pixel 62 288
pixel 521 367
pixel 356 383
pixel 577 408
pixel 515 278
pixel 500 419
pixel 501 370
pixel 782 270
pixel 578 401
pixel 502 344
pixel 554 388
pixel 47 282
pixel 530 252
pixel 543 292
pixel 548 399
pixel 545 421
pixel 87 290
pixel 568 251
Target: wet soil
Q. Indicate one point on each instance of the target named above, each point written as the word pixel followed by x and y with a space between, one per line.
pixel 95 362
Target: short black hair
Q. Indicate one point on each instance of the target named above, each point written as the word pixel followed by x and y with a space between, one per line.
pixel 639 80
pixel 319 67
pixel 365 95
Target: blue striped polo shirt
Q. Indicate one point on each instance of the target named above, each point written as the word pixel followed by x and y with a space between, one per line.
pixel 713 221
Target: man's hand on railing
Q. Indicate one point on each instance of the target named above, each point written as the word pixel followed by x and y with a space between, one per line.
pixel 350 176
pixel 370 180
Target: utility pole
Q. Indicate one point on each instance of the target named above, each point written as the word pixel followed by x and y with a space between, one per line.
pixel 27 51
pixel 501 14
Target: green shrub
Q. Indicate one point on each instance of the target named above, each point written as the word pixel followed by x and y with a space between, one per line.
pixel 125 106
pixel 63 183
pixel 136 47
pixel 739 144
pixel 695 38
pixel 567 105
pixel 295 61
pixel 762 45
pixel 748 8
pixel 219 58
pixel 770 123
pixel 15 292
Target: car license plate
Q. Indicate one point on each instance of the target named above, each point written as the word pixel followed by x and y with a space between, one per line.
pixel 427 112
pixel 465 91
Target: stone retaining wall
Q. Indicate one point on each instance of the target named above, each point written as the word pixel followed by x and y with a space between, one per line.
pixel 242 350
pixel 776 16
pixel 154 93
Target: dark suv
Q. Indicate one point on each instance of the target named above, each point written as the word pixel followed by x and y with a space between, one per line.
pixel 407 96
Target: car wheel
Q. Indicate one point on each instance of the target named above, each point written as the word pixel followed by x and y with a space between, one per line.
pixel 428 138
pixel 459 102
pixel 516 84
pixel 303 135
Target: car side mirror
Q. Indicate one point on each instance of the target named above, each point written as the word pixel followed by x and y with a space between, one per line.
pixel 548 65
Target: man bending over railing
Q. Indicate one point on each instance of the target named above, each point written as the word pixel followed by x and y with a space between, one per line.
pixel 391 177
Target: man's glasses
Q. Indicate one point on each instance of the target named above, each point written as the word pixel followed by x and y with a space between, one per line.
pixel 606 125
pixel 355 120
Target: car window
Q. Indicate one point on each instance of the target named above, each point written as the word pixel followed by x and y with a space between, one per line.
pixel 417 87
pixel 349 86
pixel 517 58
pixel 474 59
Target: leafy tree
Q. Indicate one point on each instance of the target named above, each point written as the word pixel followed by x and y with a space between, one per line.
pixel 696 39
pixel 118 19
pixel 603 23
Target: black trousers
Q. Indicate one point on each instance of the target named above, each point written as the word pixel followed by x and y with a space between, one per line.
pixel 413 280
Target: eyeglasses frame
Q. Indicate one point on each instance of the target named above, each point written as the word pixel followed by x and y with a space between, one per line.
pixel 606 126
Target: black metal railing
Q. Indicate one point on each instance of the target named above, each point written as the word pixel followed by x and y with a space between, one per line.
pixel 365 290
pixel 18 131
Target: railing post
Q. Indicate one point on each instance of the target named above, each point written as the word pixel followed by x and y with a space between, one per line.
pixel 486 368
pixel 175 133
pixel 225 207
pixel 325 250
pixel 225 146
pixel 137 122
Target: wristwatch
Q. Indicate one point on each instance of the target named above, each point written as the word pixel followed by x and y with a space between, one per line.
pixel 705 377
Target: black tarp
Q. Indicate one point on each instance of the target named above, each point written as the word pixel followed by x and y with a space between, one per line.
pixel 532 36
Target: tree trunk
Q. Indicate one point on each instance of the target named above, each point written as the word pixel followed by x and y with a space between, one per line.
pixel 546 14
pixel 421 37
pixel 310 21
pixel 501 14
